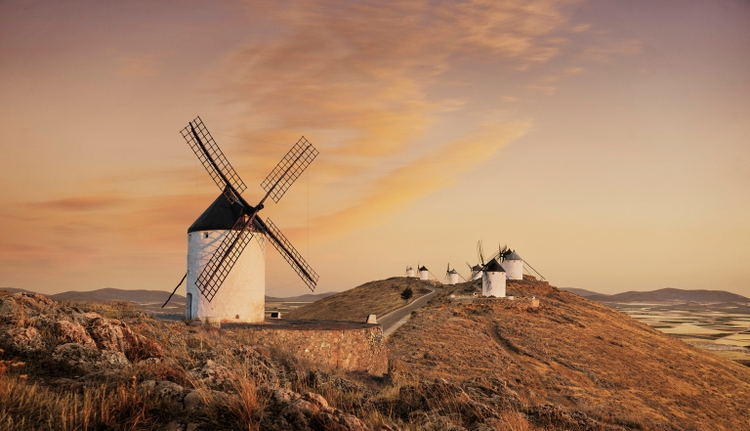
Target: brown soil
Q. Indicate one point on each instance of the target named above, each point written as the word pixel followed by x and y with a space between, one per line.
pixel 376 297
pixel 573 353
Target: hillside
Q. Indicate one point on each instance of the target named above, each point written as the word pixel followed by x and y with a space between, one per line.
pixel 577 355
pixel 671 295
pixel 376 297
pixel 113 294
pixel 582 292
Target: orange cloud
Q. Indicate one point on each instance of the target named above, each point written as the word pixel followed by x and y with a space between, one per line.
pixel 421 177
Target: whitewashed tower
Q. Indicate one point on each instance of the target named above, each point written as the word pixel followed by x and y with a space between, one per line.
pixel 513 266
pixel 242 296
pixel 452 276
pixel 424 274
pixel 493 280
pixel 410 272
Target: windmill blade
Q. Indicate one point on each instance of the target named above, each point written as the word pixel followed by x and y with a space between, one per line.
pixel 537 272
pixel 480 252
pixel 225 256
pixel 208 152
pixel 289 169
pixel 291 255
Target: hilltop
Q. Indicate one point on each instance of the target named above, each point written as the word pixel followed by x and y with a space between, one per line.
pixel 376 297
pixel 575 355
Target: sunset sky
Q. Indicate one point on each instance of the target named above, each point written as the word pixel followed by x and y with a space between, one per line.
pixel 607 142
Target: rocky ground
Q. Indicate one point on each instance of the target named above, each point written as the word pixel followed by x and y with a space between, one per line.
pixel 546 360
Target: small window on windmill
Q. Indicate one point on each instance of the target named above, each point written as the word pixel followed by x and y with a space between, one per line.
pixel 205 235
pixel 275 315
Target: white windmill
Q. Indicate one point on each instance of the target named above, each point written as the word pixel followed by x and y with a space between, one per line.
pixel 424 273
pixel 410 271
pixel 513 265
pixel 451 275
pixel 226 269
pixel 493 280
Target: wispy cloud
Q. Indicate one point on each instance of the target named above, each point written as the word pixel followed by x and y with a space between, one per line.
pixel 365 79
pixel 423 176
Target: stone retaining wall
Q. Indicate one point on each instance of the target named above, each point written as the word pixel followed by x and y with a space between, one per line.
pixel 329 345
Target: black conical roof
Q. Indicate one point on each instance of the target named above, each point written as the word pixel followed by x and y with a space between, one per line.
pixel 512 255
pixel 220 215
pixel 422 268
pixel 494 266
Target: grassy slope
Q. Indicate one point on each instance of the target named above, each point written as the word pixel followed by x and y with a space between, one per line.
pixel 578 354
pixel 376 297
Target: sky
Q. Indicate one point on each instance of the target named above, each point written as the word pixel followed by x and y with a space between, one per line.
pixel 607 142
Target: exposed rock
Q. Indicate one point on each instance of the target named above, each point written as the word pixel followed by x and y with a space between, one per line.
pixel 292 411
pixel 64 329
pixel 85 359
pixel 112 334
pixel 214 375
pixel 16 308
pixel 24 341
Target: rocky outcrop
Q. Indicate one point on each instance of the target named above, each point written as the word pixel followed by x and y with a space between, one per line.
pixel 292 411
pixel 82 343
pixel 82 359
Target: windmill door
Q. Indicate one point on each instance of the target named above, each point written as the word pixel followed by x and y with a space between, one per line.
pixel 189 306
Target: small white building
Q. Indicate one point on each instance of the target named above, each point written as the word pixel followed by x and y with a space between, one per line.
pixel 241 297
pixel 493 280
pixel 513 266
pixel 453 276
pixel 476 272
pixel 410 272
pixel 424 274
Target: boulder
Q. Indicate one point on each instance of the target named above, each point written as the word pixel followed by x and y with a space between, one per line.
pixel 86 359
pixel 22 341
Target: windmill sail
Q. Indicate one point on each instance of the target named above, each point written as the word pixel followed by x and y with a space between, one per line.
pixel 224 257
pixel 289 169
pixel 212 158
pixel 291 255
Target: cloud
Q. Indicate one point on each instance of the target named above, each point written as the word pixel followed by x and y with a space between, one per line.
pixel 365 82
pixel 423 176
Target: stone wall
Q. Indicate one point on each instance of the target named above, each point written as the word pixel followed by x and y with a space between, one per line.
pixel 330 345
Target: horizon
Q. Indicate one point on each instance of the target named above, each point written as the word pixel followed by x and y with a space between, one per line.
pixel 335 292
pixel 606 142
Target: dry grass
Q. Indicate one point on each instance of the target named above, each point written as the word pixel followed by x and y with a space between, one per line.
pixel 492 362
pixel 376 297
pixel 576 354
pixel 27 407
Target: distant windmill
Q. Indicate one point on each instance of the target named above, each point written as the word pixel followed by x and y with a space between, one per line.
pixel 476 270
pixel 226 272
pixel 409 271
pixel 493 279
pixel 424 273
pixel 451 275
